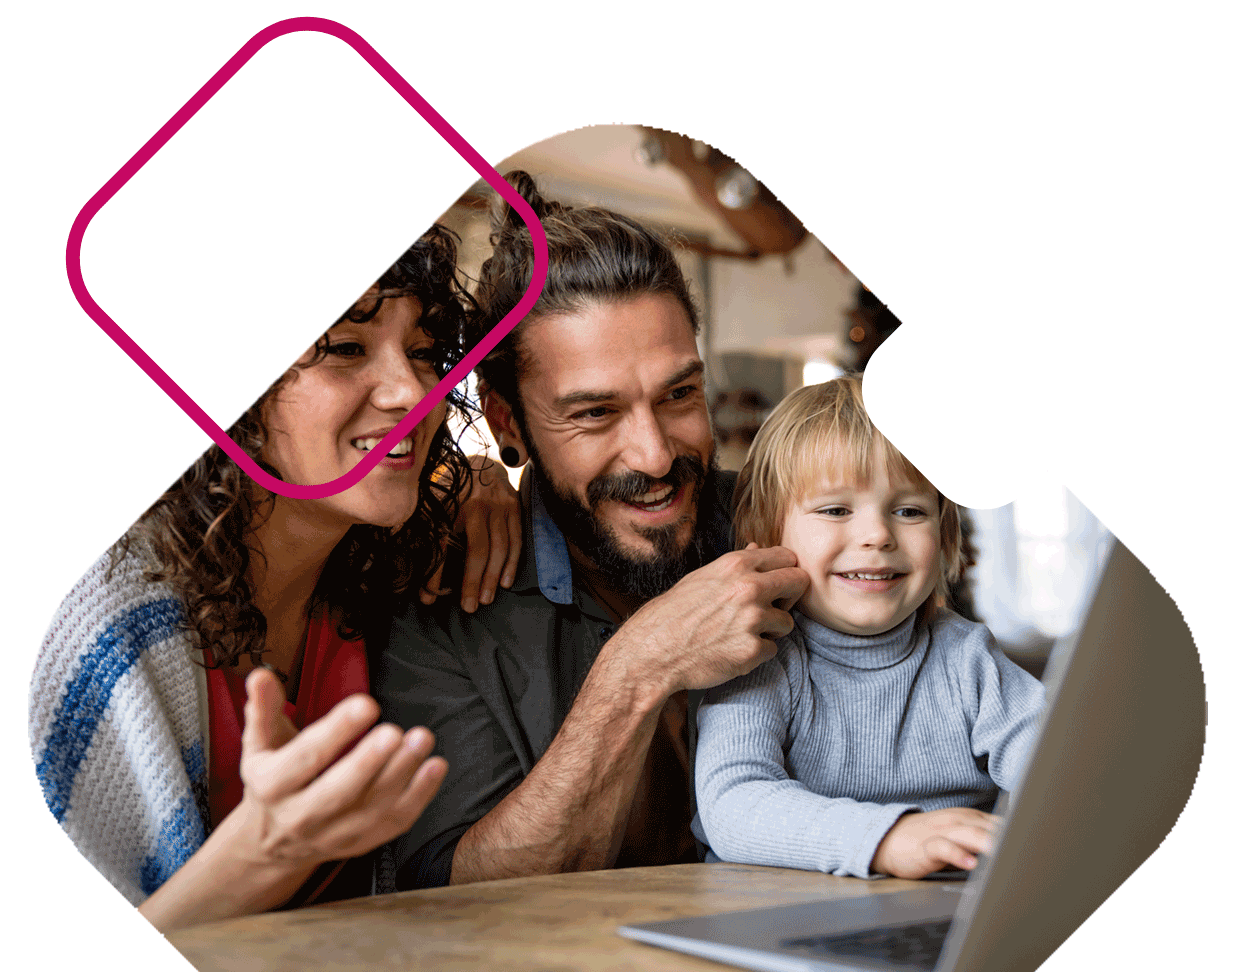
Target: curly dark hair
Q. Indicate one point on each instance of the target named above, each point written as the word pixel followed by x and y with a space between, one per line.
pixel 594 255
pixel 198 529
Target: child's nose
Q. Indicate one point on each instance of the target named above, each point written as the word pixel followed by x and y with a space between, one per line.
pixel 877 534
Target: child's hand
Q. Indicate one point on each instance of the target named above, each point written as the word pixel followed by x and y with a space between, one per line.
pixel 921 843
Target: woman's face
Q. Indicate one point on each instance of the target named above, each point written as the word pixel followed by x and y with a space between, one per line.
pixel 328 414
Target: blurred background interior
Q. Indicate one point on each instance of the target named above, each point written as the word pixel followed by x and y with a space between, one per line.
pixel 779 310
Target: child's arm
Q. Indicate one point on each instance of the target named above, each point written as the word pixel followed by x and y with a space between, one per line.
pixel 750 809
pixel 1004 703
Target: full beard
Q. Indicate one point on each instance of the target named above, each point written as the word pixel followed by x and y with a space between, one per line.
pixel 634 575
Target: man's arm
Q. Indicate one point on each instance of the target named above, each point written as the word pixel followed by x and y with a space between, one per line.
pixel 571 810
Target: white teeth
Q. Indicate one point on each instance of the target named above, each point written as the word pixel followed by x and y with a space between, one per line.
pixel 861 575
pixel 658 496
pixel 367 445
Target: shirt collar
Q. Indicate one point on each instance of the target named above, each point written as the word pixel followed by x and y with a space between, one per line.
pixel 552 568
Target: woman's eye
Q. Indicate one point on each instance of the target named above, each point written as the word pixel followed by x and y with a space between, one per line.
pixel 427 354
pixel 345 349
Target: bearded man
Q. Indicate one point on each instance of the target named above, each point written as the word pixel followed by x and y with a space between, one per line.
pixel 565 706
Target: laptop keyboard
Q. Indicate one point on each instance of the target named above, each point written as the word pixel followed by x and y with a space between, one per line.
pixel 906 946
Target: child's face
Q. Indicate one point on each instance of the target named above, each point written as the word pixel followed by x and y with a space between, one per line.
pixel 873 551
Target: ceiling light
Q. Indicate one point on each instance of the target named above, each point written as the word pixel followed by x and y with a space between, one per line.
pixel 736 188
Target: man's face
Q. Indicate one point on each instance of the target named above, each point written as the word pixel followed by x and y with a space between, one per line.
pixel 617 425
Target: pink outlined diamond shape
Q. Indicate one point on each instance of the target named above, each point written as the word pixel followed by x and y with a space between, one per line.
pixel 176 122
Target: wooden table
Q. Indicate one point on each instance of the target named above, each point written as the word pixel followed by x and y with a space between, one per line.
pixel 546 924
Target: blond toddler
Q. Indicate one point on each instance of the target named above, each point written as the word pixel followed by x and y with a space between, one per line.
pixel 877 738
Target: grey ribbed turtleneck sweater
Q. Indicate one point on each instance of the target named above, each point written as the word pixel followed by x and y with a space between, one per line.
pixel 809 760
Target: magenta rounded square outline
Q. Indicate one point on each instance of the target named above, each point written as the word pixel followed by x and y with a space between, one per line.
pixel 176 122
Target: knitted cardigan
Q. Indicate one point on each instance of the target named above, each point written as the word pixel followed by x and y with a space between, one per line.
pixel 118 726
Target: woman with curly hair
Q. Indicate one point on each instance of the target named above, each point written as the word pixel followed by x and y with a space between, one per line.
pixel 199 712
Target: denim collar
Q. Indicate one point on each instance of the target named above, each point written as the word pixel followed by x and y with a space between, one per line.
pixel 552 567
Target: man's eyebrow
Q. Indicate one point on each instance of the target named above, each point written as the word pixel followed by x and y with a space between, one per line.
pixel 695 367
pixel 573 399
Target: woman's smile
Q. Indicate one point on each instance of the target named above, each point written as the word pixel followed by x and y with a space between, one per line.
pixel 343 398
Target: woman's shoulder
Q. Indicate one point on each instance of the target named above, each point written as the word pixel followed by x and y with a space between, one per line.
pixel 115 592
pixel 112 615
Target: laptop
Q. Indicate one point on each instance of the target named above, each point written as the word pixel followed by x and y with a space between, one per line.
pixel 1117 755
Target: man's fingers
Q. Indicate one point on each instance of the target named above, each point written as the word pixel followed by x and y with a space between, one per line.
pixel 477 559
pixel 498 553
pixel 767 558
pixel 775 623
pixel 788 586
pixel 775 570
pixel 513 523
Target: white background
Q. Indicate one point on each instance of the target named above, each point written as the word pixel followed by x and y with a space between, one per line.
pixel 1041 195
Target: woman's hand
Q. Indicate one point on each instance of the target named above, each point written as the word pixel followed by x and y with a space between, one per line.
pixel 330 791
pixel 921 843
pixel 491 519
pixel 334 790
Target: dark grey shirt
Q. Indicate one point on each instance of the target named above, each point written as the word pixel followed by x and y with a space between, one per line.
pixel 495 686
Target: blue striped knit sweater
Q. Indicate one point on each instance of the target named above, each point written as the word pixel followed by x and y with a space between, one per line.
pixel 118 726
pixel 810 759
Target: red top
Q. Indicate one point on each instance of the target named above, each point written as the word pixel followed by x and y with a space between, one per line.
pixel 333 669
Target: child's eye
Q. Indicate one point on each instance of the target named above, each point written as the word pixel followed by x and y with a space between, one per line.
pixel 910 512
pixel 832 511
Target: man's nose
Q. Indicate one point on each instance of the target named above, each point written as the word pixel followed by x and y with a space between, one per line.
pixel 647 448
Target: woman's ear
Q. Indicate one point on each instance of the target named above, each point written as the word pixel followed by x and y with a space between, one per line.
pixel 504 427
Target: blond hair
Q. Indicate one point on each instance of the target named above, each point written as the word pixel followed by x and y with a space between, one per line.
pixel 824 431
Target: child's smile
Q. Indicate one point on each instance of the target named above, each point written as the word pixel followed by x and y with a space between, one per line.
pixel 872 551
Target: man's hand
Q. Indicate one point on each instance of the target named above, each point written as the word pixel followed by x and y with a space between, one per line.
pixel 571 811
pixel 921 843
pixel 718 622
pixel 491 520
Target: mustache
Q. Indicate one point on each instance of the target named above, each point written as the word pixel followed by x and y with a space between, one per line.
pixel 623 487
